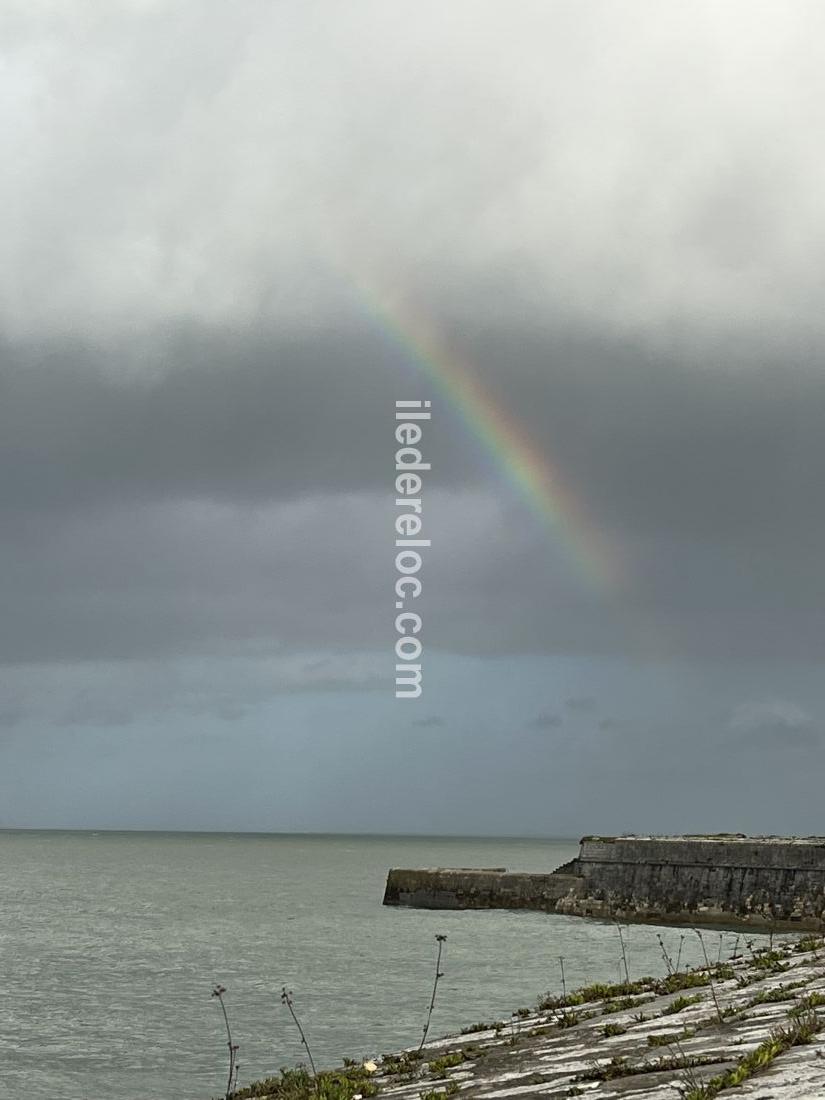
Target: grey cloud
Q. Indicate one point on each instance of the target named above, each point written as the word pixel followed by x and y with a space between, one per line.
pixel 582 704
pixel 224 685
pixel 432 721
pixel 610 724
pixel 547 720
pixel 774 723
pixel 779 738
pixel 189 577
pixel 774 714
pixel 90 708
pixel 263 149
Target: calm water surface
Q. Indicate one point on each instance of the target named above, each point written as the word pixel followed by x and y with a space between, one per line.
pixel 111 942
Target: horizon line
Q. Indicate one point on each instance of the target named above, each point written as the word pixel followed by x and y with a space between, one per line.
pixel 277 832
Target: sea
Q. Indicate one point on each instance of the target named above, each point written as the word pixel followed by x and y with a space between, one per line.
pixel 112 942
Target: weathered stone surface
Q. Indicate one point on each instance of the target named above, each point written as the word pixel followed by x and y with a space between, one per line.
pixel 762 882
pixel 545 1054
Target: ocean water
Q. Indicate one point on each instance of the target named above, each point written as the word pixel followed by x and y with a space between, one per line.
pixel 110 944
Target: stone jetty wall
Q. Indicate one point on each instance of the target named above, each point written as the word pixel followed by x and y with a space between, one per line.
pixel 764 882
pixel 444 888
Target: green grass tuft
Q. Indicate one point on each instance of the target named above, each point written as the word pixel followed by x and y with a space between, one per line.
pixel 801 1031
pixel 681 1003
pixel 613 1029
pixel 439 1066
pixel 298 1084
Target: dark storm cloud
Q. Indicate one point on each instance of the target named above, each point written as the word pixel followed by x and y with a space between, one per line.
pixel 240 417
pixel 655 446
pixel 126 493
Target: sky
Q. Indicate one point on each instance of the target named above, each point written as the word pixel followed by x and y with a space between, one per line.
pixel 232 236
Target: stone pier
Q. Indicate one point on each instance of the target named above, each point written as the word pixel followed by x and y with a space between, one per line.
pixel 729 880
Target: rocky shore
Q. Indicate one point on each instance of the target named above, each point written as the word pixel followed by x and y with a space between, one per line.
pixel 752 1027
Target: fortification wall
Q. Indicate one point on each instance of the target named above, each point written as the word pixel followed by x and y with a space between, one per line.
pixel 763 882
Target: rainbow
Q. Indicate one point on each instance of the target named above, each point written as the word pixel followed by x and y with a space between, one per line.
pixel 531 472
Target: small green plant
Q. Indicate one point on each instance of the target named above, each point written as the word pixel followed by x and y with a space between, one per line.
pixel 491 1026
pixel 761 967
pixel 763 958
pixel 402 1065
pixel 802 1031
pixel 681 1003
pixel 439 1066
pixel 774 996
pixel 807 1005
pixel 450 1089
pixel 667 1038
pixel 623 1004
pixel 775 968
pixel 613 1029
pixel 689 979
pixel 616 1067
pixel 809 943
pixel 570 1017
